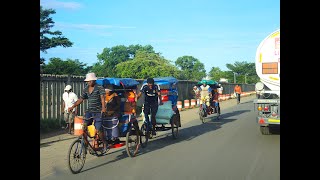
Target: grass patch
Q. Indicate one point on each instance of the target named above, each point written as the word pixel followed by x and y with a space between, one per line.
pixel 49 125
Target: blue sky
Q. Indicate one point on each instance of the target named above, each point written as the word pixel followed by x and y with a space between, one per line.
pixel 216 32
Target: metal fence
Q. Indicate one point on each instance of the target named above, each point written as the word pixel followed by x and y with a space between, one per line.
pixel 52 88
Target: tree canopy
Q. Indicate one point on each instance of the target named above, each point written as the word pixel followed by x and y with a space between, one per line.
pixel 68 67
pixel 192 68
pixel 110 57
pixel 50 39
pixel 245 72
pixel 146 64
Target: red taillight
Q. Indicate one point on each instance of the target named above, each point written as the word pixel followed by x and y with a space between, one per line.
pixel 164 98
pixel 261 121
pixel 164 91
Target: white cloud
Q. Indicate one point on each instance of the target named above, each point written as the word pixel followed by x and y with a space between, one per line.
pixel 60 5
pixel 97 29
pixel 89 26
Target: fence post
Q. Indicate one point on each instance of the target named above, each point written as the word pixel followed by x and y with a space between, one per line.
pixel 69 79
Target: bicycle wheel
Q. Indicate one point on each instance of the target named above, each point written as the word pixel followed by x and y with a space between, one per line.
pixel 77 156
pixel 145 136
pixel 178 117
pixel 150 127
pixel 132 142
pixel 174 126
pixel 201 114
pixel 217 109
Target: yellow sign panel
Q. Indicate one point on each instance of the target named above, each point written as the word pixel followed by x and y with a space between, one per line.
pixel 274 120
pixel 260 58
pixel 273 78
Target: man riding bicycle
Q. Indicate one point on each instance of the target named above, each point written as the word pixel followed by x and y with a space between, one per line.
pixel 152 95
pixel 205 94
pixel 95 94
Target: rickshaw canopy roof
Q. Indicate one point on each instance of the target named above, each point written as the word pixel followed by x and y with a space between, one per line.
pixel 209 82
pixel 164 80
pixel 125 82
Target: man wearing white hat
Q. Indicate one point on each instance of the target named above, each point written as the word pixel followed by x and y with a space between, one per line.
pixel 69 98
pixel 95 94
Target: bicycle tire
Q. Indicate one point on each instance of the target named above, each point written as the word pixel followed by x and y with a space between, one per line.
pixel 201 114
pixel 217 109
pixel 132 150
pixel 144 138
pixel 174 126
pixel 79 155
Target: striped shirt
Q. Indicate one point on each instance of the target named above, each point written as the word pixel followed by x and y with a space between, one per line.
pixel 94 99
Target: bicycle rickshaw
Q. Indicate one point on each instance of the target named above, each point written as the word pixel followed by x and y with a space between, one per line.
pixel 114 127
pixel 214 107
pixel 168 113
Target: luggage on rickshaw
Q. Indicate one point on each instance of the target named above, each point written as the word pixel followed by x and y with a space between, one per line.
pixel 125 88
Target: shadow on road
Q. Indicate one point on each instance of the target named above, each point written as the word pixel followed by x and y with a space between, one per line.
pixel 247 102
pixel 59 140
pixel 185 134
pixel 118 158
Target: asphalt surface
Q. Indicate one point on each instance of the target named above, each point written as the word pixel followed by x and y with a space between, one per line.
pixel 230 148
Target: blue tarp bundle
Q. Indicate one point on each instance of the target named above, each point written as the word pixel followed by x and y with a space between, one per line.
pixel 164 80
pixel 125 82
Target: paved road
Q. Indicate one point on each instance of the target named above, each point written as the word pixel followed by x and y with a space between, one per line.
pixel 231 148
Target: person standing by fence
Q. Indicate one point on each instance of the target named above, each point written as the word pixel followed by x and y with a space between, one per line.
pixel 69 98
pixel 195 92
pixel 238 91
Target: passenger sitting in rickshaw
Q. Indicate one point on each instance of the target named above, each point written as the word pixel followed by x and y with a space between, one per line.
pixel 214 96
pixel 205 94
pixel 113 102
pixel 113 105
pixel 131 99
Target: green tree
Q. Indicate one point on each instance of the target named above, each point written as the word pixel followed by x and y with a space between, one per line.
pixel 244 72
pixel 216 73
pixel 132 49
pixel 55 38
pixel 110 57
pixel 192 68
pixel 68 67
pixel 146 64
